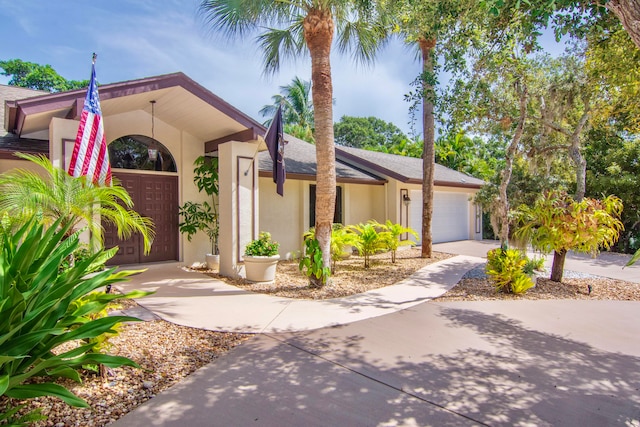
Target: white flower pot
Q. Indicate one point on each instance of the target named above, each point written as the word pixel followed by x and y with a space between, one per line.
pixel 261 268
pixel 213 262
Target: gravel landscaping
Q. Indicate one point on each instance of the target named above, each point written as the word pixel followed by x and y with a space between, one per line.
pixel 349 277
pixel 168 352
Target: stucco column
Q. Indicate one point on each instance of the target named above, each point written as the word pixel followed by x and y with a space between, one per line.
pixel 238 180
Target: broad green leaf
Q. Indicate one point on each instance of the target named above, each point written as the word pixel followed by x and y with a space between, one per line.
pixel 28 391
pixel 4 383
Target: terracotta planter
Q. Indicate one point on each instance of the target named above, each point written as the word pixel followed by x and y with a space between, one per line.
pixel 213 262
pixel 261 268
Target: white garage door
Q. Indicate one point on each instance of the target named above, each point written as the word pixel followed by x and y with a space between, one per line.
pixel 450 216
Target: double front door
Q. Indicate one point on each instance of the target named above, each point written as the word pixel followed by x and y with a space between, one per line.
pixel 156 197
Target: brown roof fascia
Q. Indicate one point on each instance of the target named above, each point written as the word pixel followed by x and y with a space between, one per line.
pixel 445 184
pixel 305 177
pixel 75 112
pixel 62 100
pixel 242 136
pixel 348 157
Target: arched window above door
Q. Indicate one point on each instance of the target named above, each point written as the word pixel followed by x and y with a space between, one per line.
pixel 137 152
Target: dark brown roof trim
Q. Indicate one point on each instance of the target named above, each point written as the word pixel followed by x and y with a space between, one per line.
pixel 242 136
pixel 445 183
pixel 305 177
pixel 350 159
pixel 66 100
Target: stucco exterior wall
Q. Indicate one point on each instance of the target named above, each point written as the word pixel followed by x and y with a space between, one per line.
pixel 284 217
pixel 364 202
pixel 8 164
pixel 287 218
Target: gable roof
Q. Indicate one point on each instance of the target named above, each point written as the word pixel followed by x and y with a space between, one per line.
pixel 180 102
pixel 11 93
pixel 10 143
pixel 403 168
pixel 300 163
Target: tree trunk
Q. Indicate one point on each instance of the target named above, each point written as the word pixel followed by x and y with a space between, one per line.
pixel 505 178
pixel 557 269
pixel 628 12
pixel 581 168
pixel 318 33
pixel 428 130
pixel 576 153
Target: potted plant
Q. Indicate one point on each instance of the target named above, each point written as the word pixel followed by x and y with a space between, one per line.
pixel 261 258
pixel 204 216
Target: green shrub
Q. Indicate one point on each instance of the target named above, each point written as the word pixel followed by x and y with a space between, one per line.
pixel 532 265
pixel 80 254
pixel 341 237
pixel 262 246
pixel 40 310
pixel 505 267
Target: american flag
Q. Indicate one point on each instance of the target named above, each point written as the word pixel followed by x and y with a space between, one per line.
pixel 90 155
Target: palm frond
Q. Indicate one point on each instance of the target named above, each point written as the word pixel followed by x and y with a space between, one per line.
pixel 278 44
pixel 362 38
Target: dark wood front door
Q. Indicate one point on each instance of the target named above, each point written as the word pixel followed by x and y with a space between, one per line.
pixel 156 197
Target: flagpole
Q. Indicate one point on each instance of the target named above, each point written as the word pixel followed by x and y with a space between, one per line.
pixel 258 149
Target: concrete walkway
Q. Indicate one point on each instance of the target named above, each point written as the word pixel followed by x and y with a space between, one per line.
pixel 200 301
pixel 498 363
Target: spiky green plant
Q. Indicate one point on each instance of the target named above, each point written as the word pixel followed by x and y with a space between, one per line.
pixel 506 267
pixel 39 310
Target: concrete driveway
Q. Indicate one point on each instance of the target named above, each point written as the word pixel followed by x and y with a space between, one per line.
pixel 606 264
pixel 505 363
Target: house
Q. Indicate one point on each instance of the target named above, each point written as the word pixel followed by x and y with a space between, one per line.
pixel 370 185
pixel 178 119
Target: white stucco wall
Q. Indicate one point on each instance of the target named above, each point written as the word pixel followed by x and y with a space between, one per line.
pixel 285 217
pixel 364 202
pixel 9 164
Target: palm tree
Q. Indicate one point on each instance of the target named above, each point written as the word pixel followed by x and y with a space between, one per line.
pixel 287 29
pixel 297 108
pixel 75 201
pixel 425 23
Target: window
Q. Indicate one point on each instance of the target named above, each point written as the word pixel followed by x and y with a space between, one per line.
pixel 132 152
pixel 337 215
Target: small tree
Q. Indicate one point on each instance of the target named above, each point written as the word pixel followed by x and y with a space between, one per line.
pixel 370 241
pixel 203 216
pixel 558 223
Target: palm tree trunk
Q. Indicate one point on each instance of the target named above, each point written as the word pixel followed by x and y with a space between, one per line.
pixel 318 32
pixel 428 130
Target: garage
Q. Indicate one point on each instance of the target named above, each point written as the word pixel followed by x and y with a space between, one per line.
pixel 450 215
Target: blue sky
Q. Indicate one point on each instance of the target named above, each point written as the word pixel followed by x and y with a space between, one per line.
pixel 143 38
